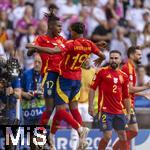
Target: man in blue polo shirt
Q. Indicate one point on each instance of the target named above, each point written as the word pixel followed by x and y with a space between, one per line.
pixel 33 103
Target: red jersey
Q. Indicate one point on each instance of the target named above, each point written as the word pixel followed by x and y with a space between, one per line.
pixel 76 52
pixel 113 89
pixel 50 62
pixel 129 69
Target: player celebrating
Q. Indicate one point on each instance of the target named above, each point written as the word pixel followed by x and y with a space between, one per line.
pixel 110 99
pixel 69 82
pixel 134 54
pixel 50 64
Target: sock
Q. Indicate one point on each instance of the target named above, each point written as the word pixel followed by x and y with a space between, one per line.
pixel 55 124
pixel 63 115
pixel 123 145
pixel 130 136
pixel 116 145
pixel 102 144
pixel 45 117
pixel 76 115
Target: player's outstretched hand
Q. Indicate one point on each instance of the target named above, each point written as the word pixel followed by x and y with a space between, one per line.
pixel 98 61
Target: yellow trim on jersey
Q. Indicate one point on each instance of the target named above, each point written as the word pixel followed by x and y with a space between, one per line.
pixel 76 97
pixel 62 95
pixel 46 66
pixel 130 68
pixel 44 79
pixel 101 104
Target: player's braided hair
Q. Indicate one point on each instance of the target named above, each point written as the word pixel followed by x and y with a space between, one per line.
pixel 51 16
pixel 78 27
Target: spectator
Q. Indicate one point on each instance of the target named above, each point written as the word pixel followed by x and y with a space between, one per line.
pixel 134 16
pixel 2 52
pixel 23 23
pixel 32 93
pixel 144 41
pixel 10 50
pixel 110 10
pixel 8 24
pixel 13 94
pixel 42 27
pixel 27 62
pixel 142 77
pixel 120 42
pixel 148 66
pixel 3 33
pixel 68 12
pixel 102 32
pixel 94 18
pixel 16 12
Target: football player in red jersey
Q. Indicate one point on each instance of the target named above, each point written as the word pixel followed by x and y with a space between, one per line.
pixel 113 91
pixel 69 81
pixel 50 63
pixel 134 54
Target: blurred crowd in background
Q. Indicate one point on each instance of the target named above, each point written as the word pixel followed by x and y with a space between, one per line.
pixel 121 23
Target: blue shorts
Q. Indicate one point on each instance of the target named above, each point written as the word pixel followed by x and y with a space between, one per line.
pixel 67 90
pixel 133 119
pixel 109 121
pixel 50 84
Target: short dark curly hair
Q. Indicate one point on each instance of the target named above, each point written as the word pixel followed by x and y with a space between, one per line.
pixel 78 27
pixel 132 50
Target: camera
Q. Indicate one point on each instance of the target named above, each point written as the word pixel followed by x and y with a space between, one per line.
pixel 9 70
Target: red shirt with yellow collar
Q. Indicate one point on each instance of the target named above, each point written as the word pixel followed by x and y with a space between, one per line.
pixel 129 69
pixel 50 62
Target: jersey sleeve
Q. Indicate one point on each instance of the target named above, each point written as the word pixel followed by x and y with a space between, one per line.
pixel 95 49
pixel 125 69
pixel 96 80
pixel 37 40
pixel 125 88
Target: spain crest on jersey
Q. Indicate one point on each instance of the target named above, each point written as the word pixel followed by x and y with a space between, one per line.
pixel 115 80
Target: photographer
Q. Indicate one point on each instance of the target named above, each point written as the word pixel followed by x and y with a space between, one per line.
pixel 10 90
pixel 32 93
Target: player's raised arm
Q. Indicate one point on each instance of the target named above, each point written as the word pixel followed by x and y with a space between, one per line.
pixel 39 49
pixel 98 52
